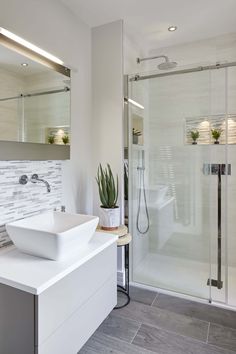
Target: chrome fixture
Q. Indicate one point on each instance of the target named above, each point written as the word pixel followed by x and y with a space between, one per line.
pixel 163 66
pixel 141 170
pixel 184 71
pixel 63 208
pixel 172 28
pixel 23 179
pixel 64 89
pixel 217 170
pixel 35 178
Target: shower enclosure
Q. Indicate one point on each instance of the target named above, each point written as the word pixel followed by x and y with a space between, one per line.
pixel 182 194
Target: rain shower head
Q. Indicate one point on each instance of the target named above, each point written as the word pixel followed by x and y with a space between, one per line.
pixel 167 65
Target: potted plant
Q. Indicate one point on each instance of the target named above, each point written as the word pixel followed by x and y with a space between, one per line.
pixel 216 133
pixel 108 192
pixel 194 135
pixel 51 139
pixel 65 139
pixel 136 134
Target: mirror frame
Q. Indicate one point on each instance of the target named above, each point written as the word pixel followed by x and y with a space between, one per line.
pixel 13 150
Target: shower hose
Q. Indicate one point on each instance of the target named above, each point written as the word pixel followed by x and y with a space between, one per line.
pixel 142 187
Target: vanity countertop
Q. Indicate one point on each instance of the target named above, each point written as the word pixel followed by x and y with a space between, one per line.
pixel 34 275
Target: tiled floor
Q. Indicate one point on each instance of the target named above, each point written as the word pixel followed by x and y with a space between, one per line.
pixel 157 323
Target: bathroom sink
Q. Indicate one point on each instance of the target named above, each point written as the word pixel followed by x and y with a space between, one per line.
pixel 52 235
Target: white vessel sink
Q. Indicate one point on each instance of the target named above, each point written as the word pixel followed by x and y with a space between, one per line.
pixel 52 235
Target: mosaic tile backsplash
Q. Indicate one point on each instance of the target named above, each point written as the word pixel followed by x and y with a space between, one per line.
pixel 19 201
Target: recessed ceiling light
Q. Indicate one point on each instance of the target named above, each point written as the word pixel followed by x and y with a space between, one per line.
pixel 24 64
pixel 172 28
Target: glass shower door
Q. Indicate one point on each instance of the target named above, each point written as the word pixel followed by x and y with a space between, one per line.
pixel 172 217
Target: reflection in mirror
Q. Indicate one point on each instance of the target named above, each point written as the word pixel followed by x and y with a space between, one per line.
pixel 34 101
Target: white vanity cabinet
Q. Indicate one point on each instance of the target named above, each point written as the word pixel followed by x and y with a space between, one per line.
pixel 59 305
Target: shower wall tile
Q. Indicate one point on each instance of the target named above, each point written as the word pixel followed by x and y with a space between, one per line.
pixel 20 201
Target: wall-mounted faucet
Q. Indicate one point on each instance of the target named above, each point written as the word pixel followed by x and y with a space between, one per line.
pixel 34 179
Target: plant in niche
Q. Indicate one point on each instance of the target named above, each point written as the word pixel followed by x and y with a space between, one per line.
pixel 51 139
pixel 136 134
pixel 65 139
pixel 108 192
pixel 216 133
pixel 194 135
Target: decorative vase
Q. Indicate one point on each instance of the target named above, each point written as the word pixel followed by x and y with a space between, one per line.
pixel 109 218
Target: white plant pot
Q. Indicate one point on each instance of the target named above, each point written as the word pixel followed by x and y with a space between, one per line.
pixel 109 218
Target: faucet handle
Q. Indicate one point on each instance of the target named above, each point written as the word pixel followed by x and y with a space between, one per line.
pixel 23 179
pixel 63 208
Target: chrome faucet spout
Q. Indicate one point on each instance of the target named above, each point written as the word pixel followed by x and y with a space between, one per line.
pixel 35 178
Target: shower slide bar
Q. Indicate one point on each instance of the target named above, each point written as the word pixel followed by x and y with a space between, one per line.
pixel 183 71
pixel 218 170
pixel 65 89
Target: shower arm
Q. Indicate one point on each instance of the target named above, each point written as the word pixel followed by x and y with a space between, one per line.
pixel 139 60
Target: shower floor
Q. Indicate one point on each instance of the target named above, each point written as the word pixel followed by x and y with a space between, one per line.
pixel 183 276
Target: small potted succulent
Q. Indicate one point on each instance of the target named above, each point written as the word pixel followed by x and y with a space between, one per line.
pixel 65 139
pixel 136 134
pixel 108 193
pixel 216 133
pixel 51 139
pixel 194 135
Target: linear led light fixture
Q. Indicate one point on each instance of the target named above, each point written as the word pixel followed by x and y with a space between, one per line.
pixel 129 100
pixel 20 45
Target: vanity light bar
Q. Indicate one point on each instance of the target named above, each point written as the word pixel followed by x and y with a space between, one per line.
pixel 30 46
pixel 134 103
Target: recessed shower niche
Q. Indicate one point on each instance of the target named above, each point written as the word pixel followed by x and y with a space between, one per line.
pixel 204 126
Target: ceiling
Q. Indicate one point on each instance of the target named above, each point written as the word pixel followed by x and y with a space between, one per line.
pixel 11 61
pixel 147 21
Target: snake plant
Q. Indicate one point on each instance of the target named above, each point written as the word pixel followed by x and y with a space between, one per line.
pixel 108 189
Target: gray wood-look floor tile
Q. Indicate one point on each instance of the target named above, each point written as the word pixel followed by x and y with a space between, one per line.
pixel 170 321
pixel 119 327
pixel 101 343
pixel 164 342
pixel 142 295
pixel 203 312
pixel 222 337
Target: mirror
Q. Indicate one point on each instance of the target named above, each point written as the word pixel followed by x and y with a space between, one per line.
pixel 34 107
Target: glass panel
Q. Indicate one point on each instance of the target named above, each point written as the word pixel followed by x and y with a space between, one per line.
pixel 47 116
pixel 231 190
pixel 218 191
pixel 174 253
pixel 11 119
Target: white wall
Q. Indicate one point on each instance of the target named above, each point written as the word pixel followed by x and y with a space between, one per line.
pixel 107 102
pixel 107 98
pixel 55 29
